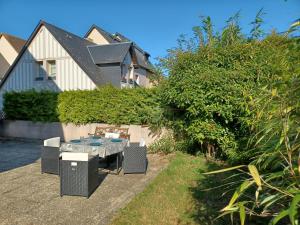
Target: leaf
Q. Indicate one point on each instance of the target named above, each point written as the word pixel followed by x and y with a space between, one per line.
pixel 280 216
pixel 293 210
pixel 237 193
pixel 274 92
pixel 224 170
pixel 254 173
pixel 242 213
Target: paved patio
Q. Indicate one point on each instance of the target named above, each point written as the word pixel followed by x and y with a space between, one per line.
pixel 29 197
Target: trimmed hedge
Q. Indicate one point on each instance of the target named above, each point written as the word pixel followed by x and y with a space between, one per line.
pixel 31 105
pixel 103 105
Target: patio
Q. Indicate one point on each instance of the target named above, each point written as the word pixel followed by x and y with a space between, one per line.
pixel 29 197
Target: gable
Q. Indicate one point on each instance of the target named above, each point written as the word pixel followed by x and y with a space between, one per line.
pixel 7 50
pixel 44 46
pixel 96 37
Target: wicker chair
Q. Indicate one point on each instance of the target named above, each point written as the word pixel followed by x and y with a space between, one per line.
pixel 135 159
pixel 50 156
pixel 78 174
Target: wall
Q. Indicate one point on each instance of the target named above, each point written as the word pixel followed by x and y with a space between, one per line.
pixel 97 38
pixel 7 50
pixel 28 129
pixel 69 76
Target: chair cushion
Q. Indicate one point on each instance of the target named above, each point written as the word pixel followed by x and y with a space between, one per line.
pixel 52 142
pixel 75 156
pixel 112 135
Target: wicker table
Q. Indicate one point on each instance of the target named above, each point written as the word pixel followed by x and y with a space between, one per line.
pixel 96 146
pixel 106 147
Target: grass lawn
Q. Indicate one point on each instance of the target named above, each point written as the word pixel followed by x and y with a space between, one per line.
pixel 176 196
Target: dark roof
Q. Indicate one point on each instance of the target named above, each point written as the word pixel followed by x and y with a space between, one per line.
pixel 16 42
pixel 113 38
pixel 141 59
pixel 110 53
pixel 4 65
pixel 76 48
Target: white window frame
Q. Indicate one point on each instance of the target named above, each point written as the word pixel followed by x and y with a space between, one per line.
pixel 50 74
pixel 40 71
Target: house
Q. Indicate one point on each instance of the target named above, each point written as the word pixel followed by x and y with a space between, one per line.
pixel 57 60
pixel 141 66
pixel 10 46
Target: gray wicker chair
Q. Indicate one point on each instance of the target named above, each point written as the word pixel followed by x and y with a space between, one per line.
pixel 135 159
pixel 50 156
pixel 78 174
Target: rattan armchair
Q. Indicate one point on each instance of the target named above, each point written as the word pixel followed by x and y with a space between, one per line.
pixel 135 159
pixel 50 156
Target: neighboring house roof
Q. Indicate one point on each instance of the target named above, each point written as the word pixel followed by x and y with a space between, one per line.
pixel 76 48
pixel 115 38
pixel 16 42
pixel 4 65
pixel 110 53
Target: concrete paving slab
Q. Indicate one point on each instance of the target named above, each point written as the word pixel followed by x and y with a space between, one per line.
pixel 29 197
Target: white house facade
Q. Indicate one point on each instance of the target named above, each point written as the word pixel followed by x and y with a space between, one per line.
pixel 57 60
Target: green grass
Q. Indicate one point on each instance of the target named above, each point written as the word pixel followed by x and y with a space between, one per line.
pixel 176 196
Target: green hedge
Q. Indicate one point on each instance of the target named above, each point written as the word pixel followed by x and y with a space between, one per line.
pixel 31 105
pixel 103 105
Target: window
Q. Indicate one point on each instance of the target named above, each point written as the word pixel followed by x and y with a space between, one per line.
pixel 39 71
pixel 51 69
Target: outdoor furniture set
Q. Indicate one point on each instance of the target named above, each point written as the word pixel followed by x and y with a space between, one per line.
pixel 77 161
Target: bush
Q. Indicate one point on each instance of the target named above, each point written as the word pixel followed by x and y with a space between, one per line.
pixel 31 105
pixel 209 90
pixel 103 105
pixel 168 144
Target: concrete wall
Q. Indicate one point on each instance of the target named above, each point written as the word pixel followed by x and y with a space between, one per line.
pixel 28 129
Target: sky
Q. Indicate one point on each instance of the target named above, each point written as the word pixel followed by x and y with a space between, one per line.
pixel 154 25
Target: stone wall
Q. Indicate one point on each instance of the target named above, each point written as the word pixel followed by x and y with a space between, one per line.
pixel 38 130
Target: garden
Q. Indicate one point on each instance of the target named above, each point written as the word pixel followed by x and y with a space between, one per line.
pixel 231 104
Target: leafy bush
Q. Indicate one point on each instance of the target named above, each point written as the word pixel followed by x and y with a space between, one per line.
pixel 104 105
pixel 210 86
pixel 31 105
pixel 168 144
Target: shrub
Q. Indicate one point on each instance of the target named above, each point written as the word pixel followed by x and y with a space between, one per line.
pixel 103 105
pixel 207 96
pixel 166 144
pixel 31 105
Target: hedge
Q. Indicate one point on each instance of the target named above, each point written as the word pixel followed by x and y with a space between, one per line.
pixel 103 105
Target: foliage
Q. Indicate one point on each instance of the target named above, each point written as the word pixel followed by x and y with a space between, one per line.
pixel 270 186
pixel 31 105
pixel 104 105
pixel 209 88
pixel 168 144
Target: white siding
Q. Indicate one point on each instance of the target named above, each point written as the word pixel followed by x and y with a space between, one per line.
pixel 69 76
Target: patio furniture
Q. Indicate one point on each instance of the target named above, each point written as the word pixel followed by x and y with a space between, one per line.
pixel 103 147
pixel 135 159
pixel 50 156
pixel 78 174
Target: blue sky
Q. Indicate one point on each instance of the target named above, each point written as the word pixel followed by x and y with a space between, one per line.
pixel 154 25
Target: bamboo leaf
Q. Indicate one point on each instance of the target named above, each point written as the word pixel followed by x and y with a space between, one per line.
pixel 242 213
pixel 224 170
pixel 293 210
pixel 237 194
pixel 280 216
pixel 254 173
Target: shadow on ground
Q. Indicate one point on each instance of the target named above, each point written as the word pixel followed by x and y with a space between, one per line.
pixel 18 153
pixel 212 193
